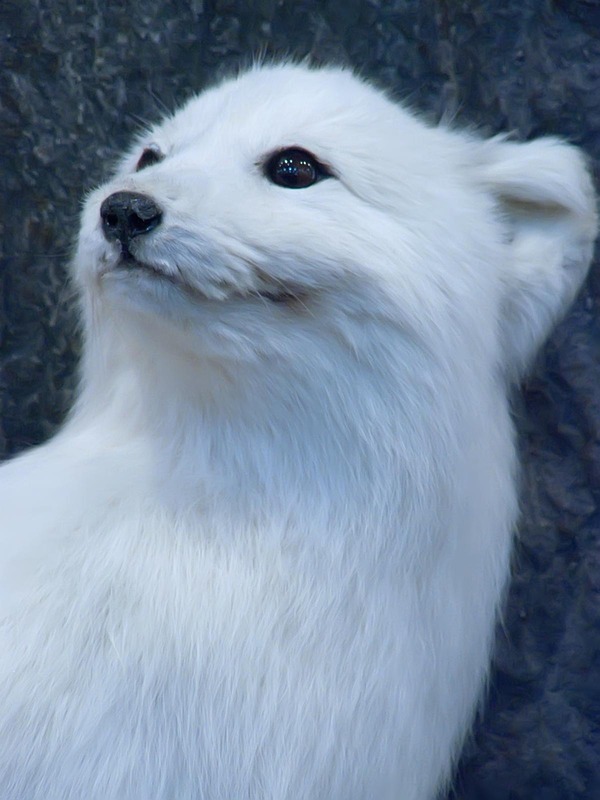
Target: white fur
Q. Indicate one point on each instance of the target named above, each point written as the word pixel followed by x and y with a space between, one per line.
pixel 264 557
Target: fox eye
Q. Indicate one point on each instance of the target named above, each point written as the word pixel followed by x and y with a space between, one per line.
pixel 295 169
pixel 151 155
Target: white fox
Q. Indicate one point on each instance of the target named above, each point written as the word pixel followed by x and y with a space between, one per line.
pixel 264 557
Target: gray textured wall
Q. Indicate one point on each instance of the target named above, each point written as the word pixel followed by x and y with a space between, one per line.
pixel 76 79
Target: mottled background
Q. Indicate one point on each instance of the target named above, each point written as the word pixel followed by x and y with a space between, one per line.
pixel 76 80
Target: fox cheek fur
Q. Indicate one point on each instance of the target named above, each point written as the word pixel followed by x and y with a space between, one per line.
pixel 265 555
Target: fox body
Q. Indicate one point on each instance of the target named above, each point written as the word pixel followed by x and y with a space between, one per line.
pixel 264 557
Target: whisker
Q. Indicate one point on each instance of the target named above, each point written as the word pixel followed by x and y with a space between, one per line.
pixel 291 293
pixel 26 254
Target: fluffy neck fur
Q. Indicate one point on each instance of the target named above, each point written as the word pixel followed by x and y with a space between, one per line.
pixel 263 434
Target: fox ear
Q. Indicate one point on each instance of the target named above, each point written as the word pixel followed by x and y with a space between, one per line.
pixel 545 197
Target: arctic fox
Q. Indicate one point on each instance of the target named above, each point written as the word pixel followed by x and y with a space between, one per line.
pixel 264 557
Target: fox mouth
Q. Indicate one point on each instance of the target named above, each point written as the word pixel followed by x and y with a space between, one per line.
pixel 128 263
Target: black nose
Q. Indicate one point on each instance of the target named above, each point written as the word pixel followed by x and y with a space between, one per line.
pixel 128 214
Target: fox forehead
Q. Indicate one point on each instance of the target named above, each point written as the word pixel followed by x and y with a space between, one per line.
pixel 379 150
pixel 289 105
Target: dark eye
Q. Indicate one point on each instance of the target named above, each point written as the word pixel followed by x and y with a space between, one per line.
pixel 295 169
pixel 149 157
